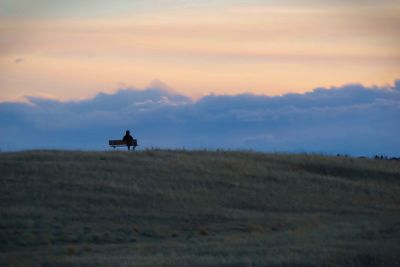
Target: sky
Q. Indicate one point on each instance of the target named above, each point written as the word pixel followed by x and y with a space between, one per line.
pixel 71 50
pixel 285 76
pixel 348 120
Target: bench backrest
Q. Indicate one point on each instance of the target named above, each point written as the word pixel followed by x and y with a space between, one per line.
pixel 122 142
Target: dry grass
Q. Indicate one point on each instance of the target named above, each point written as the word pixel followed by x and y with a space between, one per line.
pixel 197 208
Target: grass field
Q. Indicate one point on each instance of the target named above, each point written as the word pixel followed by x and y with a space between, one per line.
pixel 197 208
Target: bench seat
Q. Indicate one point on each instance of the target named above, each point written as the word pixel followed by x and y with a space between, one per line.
pixel 119 143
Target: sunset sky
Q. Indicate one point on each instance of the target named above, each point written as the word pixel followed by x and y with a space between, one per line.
pixel 287 76
pixel 71 50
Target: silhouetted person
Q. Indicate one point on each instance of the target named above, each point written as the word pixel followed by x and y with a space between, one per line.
pixel 128 139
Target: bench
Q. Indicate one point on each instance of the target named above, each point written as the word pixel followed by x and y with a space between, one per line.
pixel 119 143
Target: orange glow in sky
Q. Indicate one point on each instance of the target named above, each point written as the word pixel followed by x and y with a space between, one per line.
pixel 260 47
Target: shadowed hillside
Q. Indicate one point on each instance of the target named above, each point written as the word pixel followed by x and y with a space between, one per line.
pixel 197 208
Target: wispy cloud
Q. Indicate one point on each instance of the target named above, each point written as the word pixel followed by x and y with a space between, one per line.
pixel 18 60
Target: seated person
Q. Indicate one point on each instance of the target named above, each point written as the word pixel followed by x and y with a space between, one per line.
pixel 128 139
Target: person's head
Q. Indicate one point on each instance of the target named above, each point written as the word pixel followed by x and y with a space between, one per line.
pixel 127 132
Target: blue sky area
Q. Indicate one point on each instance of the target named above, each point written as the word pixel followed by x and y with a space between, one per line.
pixel 352 120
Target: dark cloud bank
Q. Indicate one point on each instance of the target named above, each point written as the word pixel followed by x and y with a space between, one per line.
pixel 349 120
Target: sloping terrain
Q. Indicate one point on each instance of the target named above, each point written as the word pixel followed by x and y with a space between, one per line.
pixel 197 208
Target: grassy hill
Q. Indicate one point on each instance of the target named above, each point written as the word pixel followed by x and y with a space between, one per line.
pixel 197 208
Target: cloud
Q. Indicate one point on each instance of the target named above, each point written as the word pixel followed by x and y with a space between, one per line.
pixel 351 119
pixel 18 60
